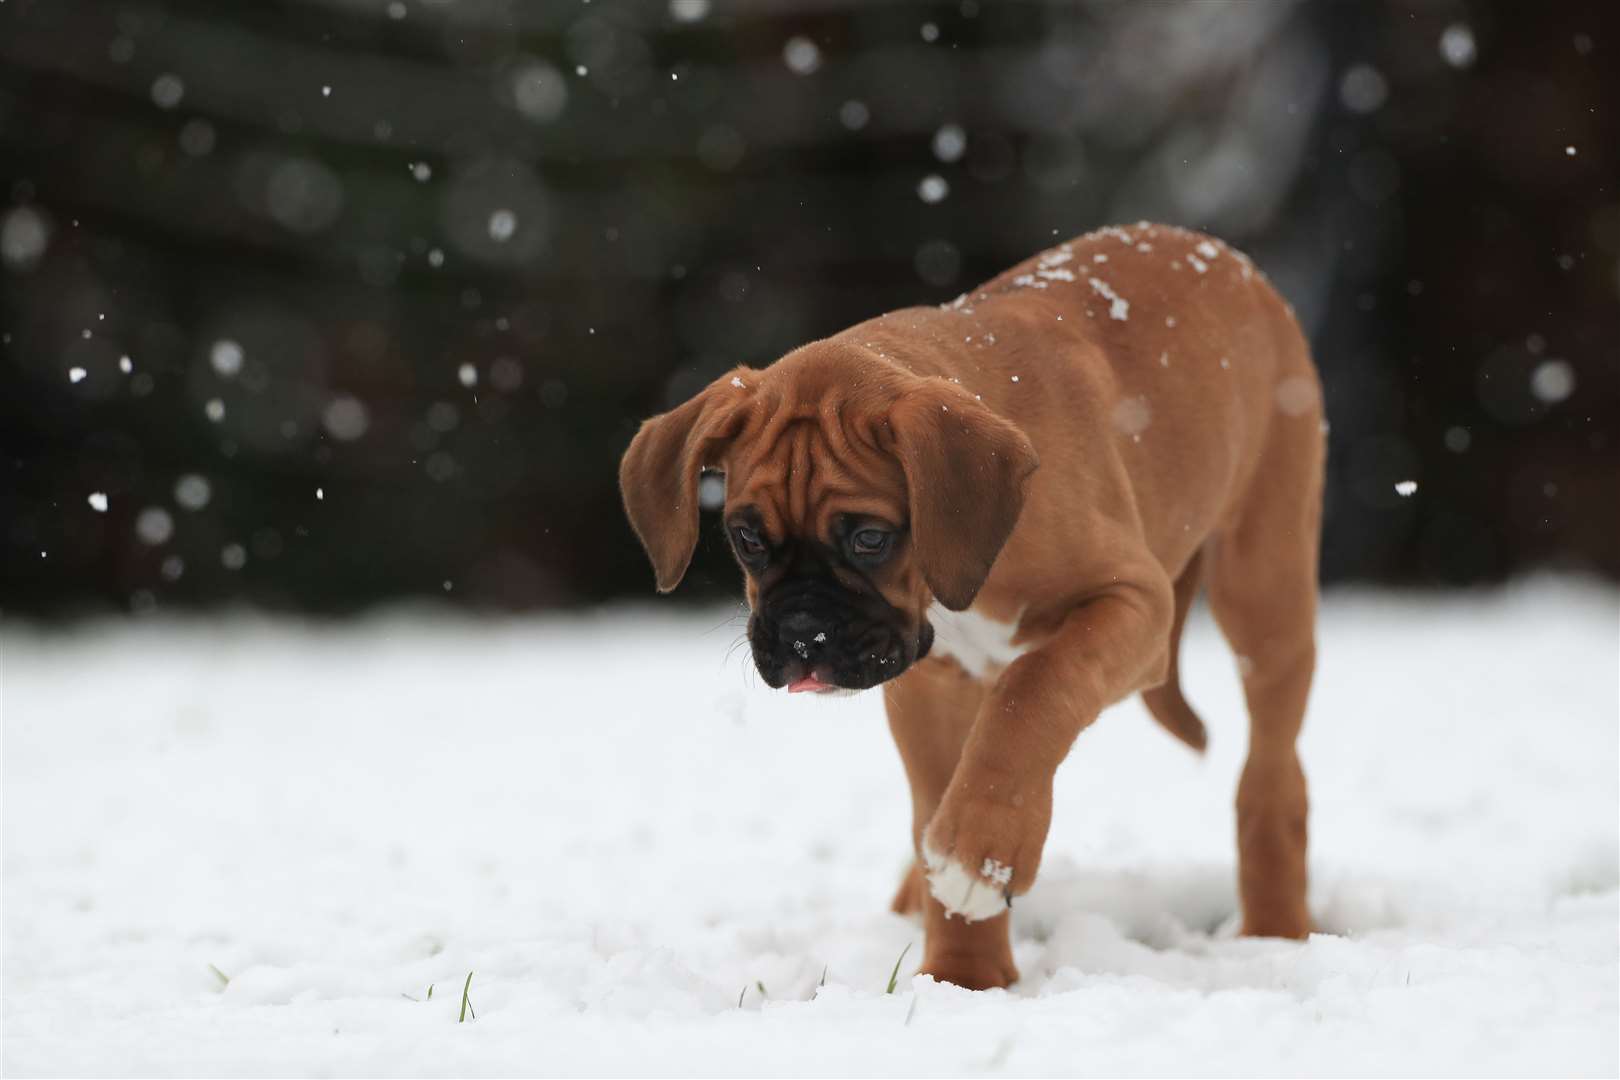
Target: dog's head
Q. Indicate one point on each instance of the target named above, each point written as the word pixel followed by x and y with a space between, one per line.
pixel 856 494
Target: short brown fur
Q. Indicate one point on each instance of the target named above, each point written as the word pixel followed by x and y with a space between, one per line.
pixel 1075 446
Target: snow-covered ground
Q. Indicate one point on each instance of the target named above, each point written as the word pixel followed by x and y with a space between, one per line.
pixel 617 830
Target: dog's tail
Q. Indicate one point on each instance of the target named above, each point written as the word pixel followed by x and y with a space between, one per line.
pixel 1165 701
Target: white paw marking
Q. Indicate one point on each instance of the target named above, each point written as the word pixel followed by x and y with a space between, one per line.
pixel 979 644
pixel 967 894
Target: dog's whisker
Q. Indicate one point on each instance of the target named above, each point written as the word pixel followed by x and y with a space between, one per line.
pixel 735 645
pixel 729 620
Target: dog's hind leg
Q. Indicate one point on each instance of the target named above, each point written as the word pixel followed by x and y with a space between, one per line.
pixel 1262 589
pixel 908 898
pixel 1165 701
pixel 931 710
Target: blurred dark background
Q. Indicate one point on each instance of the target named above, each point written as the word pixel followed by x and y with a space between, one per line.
pixel 314 304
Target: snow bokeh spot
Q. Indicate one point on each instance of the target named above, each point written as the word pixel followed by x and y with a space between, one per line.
pixel 154 526
pixel 167 90
pixel 502 224
pixel 539 91
pixel 801 55
pixel 950 143
pixel 193 492
pixel 1363 89
pixel 1457 45
pixel 24 234
pixel 226 358
pixel 1552 381
pixel 711 490
pixel 345 418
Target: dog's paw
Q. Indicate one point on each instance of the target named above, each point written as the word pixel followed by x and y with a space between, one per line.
pixel 979 854
pixel 973 896
pixel 973 971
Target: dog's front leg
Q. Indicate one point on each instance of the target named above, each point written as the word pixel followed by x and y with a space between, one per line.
pixel 931 710
pixel 983 845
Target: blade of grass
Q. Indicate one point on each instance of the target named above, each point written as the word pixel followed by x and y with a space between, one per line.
pixel 430 992
pixel 894 976
pixel 761 986
pixel 818 987
pixel 741 994
pixel 466 1002
pixel 224 979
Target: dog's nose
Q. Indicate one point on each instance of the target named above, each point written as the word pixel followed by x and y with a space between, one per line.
pixel 802 632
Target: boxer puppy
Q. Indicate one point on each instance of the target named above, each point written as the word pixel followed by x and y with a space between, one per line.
pixel 1000 510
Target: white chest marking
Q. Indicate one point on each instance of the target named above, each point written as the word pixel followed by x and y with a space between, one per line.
pixel 980 644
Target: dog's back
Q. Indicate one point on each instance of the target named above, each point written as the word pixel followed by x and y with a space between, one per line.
pixel 1153 367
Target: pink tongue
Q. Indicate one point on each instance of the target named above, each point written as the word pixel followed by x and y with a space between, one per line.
pixel 807 682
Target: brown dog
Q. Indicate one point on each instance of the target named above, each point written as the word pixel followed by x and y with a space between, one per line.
pixel 884 500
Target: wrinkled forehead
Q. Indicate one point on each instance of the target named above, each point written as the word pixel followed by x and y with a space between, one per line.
pixel 799 476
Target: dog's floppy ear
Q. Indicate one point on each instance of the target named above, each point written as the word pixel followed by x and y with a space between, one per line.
pixel 658 476
pixel 965 470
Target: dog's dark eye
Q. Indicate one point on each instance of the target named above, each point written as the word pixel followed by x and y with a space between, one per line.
pixel 749 545
pixel 869 543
